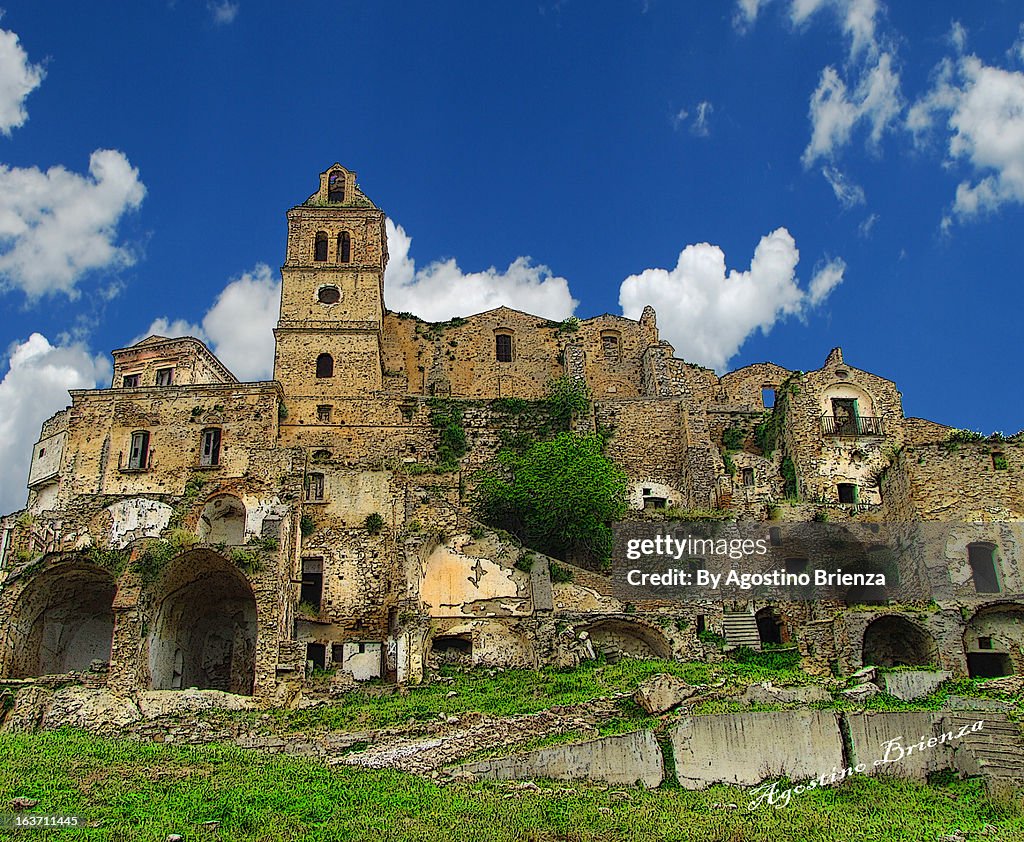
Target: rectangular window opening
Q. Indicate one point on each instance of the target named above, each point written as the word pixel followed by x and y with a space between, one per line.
pixel 164 376
pixel 131 381
pixel 323 413
pixel 312 590
pixel 138 456
pixel 209 453
pixel 314 486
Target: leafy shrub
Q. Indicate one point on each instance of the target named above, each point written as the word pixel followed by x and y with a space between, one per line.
pixel 374 523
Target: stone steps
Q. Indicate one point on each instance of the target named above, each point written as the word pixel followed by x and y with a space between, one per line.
pixel 740 629
pixel 997 749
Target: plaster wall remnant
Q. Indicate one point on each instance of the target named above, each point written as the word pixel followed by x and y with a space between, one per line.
pixel 194 530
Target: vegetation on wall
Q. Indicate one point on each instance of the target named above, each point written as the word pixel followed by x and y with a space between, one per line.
pixel 374 523
pixel 446 418
pixel 567 398
pixel 559 496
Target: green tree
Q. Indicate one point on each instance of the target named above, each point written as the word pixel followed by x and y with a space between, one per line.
pixel 558 496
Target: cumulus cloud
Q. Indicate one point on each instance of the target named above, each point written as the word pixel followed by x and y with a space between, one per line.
pixel 442 290
pixel 56 226
pixel 35 386
pixel 707 313
pixel 984 111
pixel 835 111
pixel 239 327
pixel 18 78
pixel 223 11
pixel 847 192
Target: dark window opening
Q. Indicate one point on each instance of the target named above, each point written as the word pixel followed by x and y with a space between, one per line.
pixel 164 376
pixel 844 410
pixel 323 413
pixel 316 656
pixel 748 476
pixel 611 346
pixel 701 626
pixel 362 648
pixel 982 558
pixel 312 589
pixel 209 452
pixel 138 456
pixel 337 653
pixel 130 381
pixel 344 247
pixel 336 187
pixel 999 462
pixel 988 664
pixel 320 247
pixel 769 626
pixel 452 647
pixel 42 451
pixel 329 295
pixel 503 348
pixel 314 486
pixel 984 642
pixel 848 492
pixel 775 536
pixel 768 396
pixel 796 565
pixel 325 366
pixel 651 502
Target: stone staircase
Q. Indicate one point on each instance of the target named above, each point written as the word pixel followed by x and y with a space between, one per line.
pixel 996 751
pixel 740 629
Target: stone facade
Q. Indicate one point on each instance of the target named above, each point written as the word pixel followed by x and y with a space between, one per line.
pixel 188 530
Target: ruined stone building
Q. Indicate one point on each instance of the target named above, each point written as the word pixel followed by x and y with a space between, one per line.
pixel 184 529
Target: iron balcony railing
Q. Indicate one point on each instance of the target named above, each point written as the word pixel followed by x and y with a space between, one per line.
pixel 851 425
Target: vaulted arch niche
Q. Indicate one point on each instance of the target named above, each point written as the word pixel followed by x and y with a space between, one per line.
pixel 204 629
pixel 63 622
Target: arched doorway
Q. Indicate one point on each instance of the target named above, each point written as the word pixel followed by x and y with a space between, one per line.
pixel 769 626
pixel 204 631
pixel 894 641
pixel 619 638
pixel 63 621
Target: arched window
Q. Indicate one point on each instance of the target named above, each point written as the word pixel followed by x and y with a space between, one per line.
pixel 336 187
pixel 329 295
pixel 320 247
pixel 344 247
pixel 982 558
pixel 325 366
pixel 503 347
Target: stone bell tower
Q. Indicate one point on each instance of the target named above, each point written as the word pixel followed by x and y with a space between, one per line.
pixel 328 336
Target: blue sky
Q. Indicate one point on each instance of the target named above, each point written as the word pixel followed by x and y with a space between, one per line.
pixel 833 172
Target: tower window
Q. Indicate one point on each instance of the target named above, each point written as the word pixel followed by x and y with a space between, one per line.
pixel 325 366
pixel 768 396
pixel 329 295
pixel 503 347
pixel 320 247
pixel 336 187
pixel 209 450
pixel 314 486
pixel 982 558
pixel 611 346
pixel 748 476
pixel 344 247
pixel 130 381
pixel 138 456
pixel 323 413
pixel 164 376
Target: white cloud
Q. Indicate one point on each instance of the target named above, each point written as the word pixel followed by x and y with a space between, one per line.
pixel 442 290
pixel 847 192
pixel 35 386
pixel 826 279
pixel 958 36
pixel 746 13
pixel 18 78
pixel 858 19
pixel 985 107
pixel 56 226
pixel 834 111
pixel 239 327
pixel 707 313
pixel 865 228
pixel 700 121
pixel 223 11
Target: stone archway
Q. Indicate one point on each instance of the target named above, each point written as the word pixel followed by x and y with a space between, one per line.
pixel 994 641
pixel 621 638
pixel 204 629
pixel 894 641
pixel 62 622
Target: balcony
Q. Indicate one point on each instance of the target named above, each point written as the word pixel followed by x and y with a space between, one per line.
pixel 851 425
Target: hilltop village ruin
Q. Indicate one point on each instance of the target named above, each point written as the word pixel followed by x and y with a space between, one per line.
pixel 184 529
